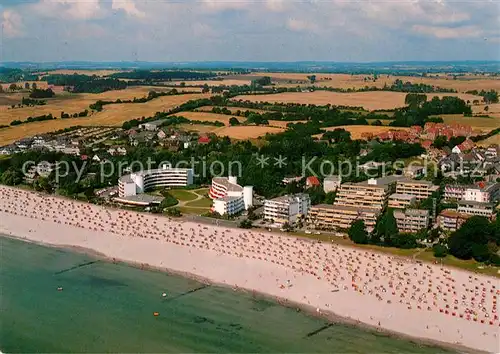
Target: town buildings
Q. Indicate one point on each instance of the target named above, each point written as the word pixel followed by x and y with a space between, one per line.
pixel 229 197
pixel 287 209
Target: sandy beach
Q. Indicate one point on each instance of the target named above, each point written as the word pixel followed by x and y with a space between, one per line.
pixel 391 293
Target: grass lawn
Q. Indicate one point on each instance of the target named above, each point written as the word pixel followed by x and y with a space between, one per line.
pixel 182 195
pixel 201 191
pixel 196 211
pixel 203 203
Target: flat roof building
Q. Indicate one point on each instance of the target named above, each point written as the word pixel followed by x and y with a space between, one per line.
pixel 411 220
pixel 420 189
pixel 331 217
pixel 476 208
pixel 229 197
pixel 451 220
pixel 287 209
pixel 137 183
pixel 401 201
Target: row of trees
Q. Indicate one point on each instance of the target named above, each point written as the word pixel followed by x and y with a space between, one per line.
pixel 477 238
pixel 84 83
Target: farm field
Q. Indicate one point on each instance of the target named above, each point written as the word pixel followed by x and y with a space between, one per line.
pixel 477 123
pixel 103 72
pixel 357 130
pixel 112 115
pixel 369 100
pixel 461 84
pixel 240 132
pixel 73 103
pixel 495 139
pixel 243 132
pixel 232 109
pixel 224 82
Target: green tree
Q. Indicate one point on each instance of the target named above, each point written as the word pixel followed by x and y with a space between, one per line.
pixel 470 239
pixel 415 100
pixel 234 121
pixel 440 250
pixel 357 232
pixel 245 224
pixel 11 177
pixel 386 228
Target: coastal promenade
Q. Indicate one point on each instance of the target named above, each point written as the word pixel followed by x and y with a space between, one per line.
pixel 390 293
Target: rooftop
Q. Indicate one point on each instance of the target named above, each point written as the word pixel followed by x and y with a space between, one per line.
pixel 471 202
pixel 289 198
pixel 402 196
pixel 344 207
pixel 231 187
pixel 412 212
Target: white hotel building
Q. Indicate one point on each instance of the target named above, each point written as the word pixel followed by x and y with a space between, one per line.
pixel 229 197
pixel 287 209
pixel 166 176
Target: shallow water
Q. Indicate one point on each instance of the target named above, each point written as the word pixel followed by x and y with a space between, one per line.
pixel 107 307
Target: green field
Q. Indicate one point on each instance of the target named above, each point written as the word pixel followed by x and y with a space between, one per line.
pixel 182 195
pixel 200 203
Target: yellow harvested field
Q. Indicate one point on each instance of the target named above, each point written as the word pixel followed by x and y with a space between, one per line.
pixel 39 84
pixel 477 123
pixel 461 84
pixel 74 103
pixel 210 117
pixel 232 109
pixel 112 115
pixel 369 100
pixel 283 123
pixel 495 139
pixel 357 130
pixel 246 131
pixel 241 132
pixel 228 82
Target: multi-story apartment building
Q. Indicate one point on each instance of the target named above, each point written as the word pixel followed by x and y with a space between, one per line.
pixel 373 193
pixel 476 208
pixel 454 191
pixel 166 176
pixel 229 197
pixel 401 201
pixel 420 189
pixel 481 192
pixel 326 216
pixel 451 220
pixel 287 209
pixel 411 220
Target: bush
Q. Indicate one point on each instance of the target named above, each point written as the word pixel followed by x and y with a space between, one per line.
pixel 440 250
pixel 245 224
pixel 173 212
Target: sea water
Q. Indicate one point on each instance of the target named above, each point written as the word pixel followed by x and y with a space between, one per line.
pixel 106 307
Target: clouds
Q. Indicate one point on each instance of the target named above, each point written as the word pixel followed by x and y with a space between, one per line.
pixel 193 30
pixel 11 24
pixel 129 7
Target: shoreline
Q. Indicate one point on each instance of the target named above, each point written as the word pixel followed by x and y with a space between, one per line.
pixel 329 316
pixel 317 275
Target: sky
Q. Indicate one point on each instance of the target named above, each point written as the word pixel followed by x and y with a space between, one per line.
pixel 251 30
